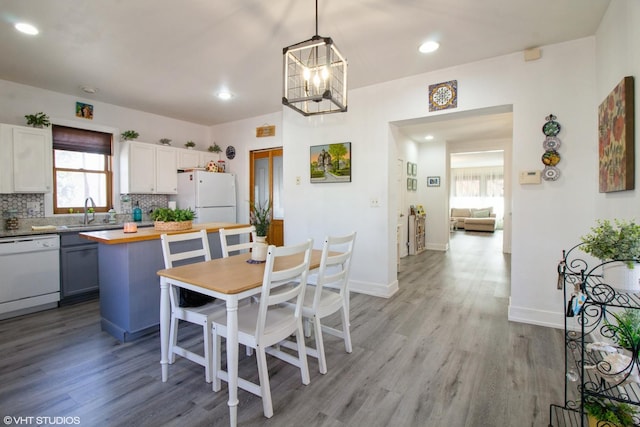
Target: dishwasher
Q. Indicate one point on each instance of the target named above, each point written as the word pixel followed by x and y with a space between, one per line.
pixel 29 274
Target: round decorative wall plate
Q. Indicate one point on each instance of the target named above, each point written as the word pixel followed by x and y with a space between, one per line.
pixel 550 173
pixel 231 152
pixel 551 143
pixel 551 158
pixel 551 128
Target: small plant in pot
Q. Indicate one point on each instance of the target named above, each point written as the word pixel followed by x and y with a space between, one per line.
pixel 607 413
pixel 129 135
pixel 172 219
pixel 190 144
pixel 617 241
pixel 260 218
pixel 37 120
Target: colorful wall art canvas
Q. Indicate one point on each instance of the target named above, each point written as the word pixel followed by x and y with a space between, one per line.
pixel 330 163
pixel 616 139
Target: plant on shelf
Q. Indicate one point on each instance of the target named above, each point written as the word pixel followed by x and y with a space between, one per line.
pixel 215 148
pixel 37 120
pixel 190 144
pixel 165 141
pixel 626 329
pixel 129 135
pixel 613 413
pixel 261 218
pixel 609 242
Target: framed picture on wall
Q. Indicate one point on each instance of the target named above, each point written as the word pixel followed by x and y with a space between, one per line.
pixel 409 168
pixel 414 169
pixel 414 184
pixel 330 163
pixel 409 184
pixel 433 181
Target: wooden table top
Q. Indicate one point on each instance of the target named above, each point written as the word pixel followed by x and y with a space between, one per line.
pixel 234 274
pixel 116 237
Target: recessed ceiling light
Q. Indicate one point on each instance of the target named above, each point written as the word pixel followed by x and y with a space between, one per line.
pixel 25 28
pixel 428 137
pixel 429 47
pixel 224 95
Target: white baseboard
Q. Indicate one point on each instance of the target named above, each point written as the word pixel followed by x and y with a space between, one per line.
pixel 437 246
pixel 374 289
pixel 550 319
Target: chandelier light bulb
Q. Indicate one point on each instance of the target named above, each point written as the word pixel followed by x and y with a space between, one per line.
pixel 316 80
pixel 325 73
pixel 306 74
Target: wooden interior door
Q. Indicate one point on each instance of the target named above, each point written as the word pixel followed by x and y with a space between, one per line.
pixel 265 181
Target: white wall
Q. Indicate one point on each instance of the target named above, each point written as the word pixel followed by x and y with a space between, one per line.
pixel 16 100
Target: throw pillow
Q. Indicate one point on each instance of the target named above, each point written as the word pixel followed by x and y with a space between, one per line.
pixel 480 213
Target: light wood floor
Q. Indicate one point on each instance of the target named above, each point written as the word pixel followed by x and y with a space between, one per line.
pixel 441 352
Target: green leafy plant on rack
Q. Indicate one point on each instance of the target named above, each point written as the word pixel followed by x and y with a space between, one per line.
pixel 129 135
pixel 613 413
pixel 37 120
pixel 619 241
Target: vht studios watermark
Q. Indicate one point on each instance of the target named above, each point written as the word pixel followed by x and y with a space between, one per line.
pixel 49 421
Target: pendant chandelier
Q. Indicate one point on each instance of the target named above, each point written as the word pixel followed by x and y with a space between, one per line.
pixel 315 76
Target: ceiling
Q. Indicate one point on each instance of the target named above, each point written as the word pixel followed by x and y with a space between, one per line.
pixel 170 57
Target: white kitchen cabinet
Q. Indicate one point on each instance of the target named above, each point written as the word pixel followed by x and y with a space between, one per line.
pixel 26 156
pixel 188 159
pixel 148 169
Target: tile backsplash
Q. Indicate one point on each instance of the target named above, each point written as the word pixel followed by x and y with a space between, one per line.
pixel 18 205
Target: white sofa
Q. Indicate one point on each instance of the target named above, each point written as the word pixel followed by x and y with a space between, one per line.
pixel 471 219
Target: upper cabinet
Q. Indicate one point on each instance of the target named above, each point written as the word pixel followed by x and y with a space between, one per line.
pixel 26 162
pixel 188 159
pixel 148 169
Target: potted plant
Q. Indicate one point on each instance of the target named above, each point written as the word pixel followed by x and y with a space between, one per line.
pixel 609 413
pixel 37 120
pixel 190 145
pixel 165 141
pixel 626 328
pixel 215 148
pixel 129 135
pixel 166 219
pixel 260 218
pixel 618 241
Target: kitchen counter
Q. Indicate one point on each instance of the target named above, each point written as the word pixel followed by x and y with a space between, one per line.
pixel 75 228
pixel 116 237
pixel 129 285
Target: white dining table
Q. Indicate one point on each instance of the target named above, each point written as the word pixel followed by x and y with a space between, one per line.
pixel 230 279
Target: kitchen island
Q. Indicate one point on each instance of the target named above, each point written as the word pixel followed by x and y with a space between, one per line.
pixel 129 285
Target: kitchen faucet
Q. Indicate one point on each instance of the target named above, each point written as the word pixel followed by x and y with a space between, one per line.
pixel 86 213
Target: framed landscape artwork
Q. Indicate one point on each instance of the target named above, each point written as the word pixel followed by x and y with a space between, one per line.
pixel 616 139
pixel 330 163
pixel 433 181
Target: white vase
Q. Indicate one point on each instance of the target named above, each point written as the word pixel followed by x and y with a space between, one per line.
pixel 620 277
pixel 259 250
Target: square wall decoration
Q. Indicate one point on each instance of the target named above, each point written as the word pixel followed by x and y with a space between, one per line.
pixel 616 139
pixel 330 163
pixel 84 111
pixel 443 96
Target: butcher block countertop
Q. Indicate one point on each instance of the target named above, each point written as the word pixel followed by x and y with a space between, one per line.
pixel 117 237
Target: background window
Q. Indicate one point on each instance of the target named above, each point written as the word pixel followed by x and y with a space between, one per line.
pixel 81 169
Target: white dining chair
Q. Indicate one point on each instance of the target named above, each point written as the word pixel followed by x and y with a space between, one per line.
pixel 227 248
pixel 328 293
pixel 176 248
pixel 262 326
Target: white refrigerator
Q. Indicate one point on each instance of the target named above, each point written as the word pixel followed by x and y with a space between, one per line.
pixel 211 195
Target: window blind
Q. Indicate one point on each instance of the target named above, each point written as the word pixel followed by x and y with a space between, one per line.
pixel 88 141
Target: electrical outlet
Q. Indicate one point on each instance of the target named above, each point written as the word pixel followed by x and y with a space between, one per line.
pixel 297 180
pixel 33 207
pixel 374 202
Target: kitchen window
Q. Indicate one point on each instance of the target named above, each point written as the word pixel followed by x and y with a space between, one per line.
pixel 82 168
